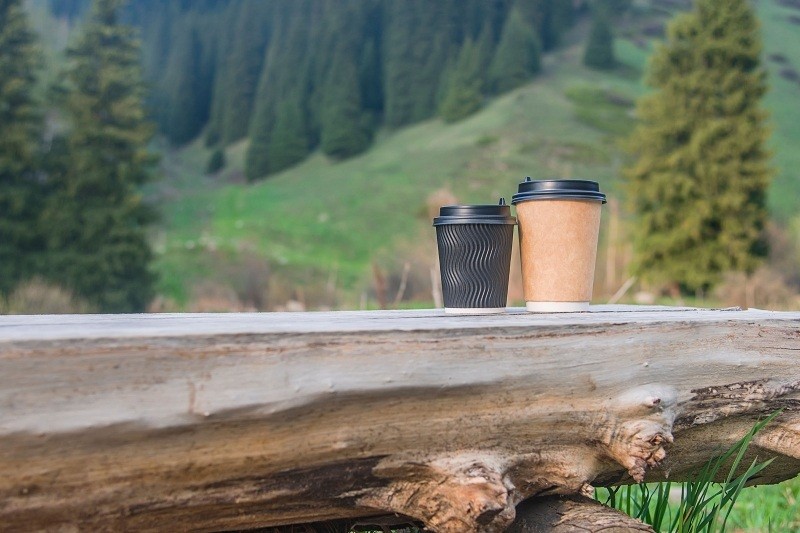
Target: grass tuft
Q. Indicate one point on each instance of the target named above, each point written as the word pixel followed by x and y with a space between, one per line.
pixel 705 505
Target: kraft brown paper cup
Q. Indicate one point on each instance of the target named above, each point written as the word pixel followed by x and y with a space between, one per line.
pixel 559 225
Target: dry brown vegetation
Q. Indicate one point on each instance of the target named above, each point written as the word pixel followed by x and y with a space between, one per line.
pixel 36 297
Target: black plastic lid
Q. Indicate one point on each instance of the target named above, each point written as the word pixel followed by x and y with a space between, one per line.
pixel 552 189
pixel 475 214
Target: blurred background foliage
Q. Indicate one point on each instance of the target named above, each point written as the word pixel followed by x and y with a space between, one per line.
pixel 304 146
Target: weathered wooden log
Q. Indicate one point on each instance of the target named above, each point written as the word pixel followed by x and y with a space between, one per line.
pixel 570 514
pixel 210 422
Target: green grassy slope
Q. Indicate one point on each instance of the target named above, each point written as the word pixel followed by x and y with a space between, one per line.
pixel 323 214
pixel 324 218
pixel 782 36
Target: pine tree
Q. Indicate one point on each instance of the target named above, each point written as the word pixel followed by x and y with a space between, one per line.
pixel 157 39
pixel 548 18
pixel 20 129
pixel 95 217
pixel 517 57
pixel 562 17
pixel 485 52
pixel 245 61
pixel 216 162
pixel 599 52
pixel 434 43
pixel 289 143
pixel 344 131
pixel 257 158
pixel 463 95
pixel 701 171
pixel 219 99
pixel 283 85
pixel 369 75
pixel 187 98
pixel 399 63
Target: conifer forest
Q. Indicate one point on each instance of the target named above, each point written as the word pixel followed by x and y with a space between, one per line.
pixel 221 155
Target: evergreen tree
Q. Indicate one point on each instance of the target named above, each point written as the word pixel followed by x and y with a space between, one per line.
pixel 244 64
pixel 562 17
pixel 289 143
pixel 517 57
pixel 187 110
pixel 548 18
pixel 344 132
pixel 701 171
pixel 485 51
pixel 369 74
pixel 219 98
pixel 157 20
pixel 420 38
pixel 216 162
pixel 370 64
pixel 206 58
pixel 399 63
pixel 599 52
pixel 435 41
pixel 283 85
pixel 257 158
pixel 20 129
pixel 95 217
pixel 463 95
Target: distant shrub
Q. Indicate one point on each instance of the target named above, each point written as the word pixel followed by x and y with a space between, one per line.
pixel 36 297
pixel 784 251
pixel 789 74
pixel 216 162
pixel 236 281
pixel 764 289
pixel 599 52
pixel 211 297
pixel 582 94
pixel 486 140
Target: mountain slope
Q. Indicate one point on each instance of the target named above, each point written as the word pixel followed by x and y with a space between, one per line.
pixel 321 227
pixel 781 35
pixel 323 218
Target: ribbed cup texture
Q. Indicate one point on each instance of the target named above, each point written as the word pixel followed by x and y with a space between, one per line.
pixel 474 260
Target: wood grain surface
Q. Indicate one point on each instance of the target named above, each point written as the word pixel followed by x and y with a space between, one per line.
pixel 235 421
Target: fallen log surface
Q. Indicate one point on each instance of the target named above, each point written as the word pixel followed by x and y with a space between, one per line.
pixel 236 421
pixel 570 514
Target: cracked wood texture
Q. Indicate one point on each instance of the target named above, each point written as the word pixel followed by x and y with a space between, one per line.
pixel 238 421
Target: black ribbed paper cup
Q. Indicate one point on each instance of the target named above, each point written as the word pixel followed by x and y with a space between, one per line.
pixel 475 256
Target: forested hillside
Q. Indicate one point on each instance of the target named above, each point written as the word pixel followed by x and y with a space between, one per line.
pixel 366 115
pixel 307 74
